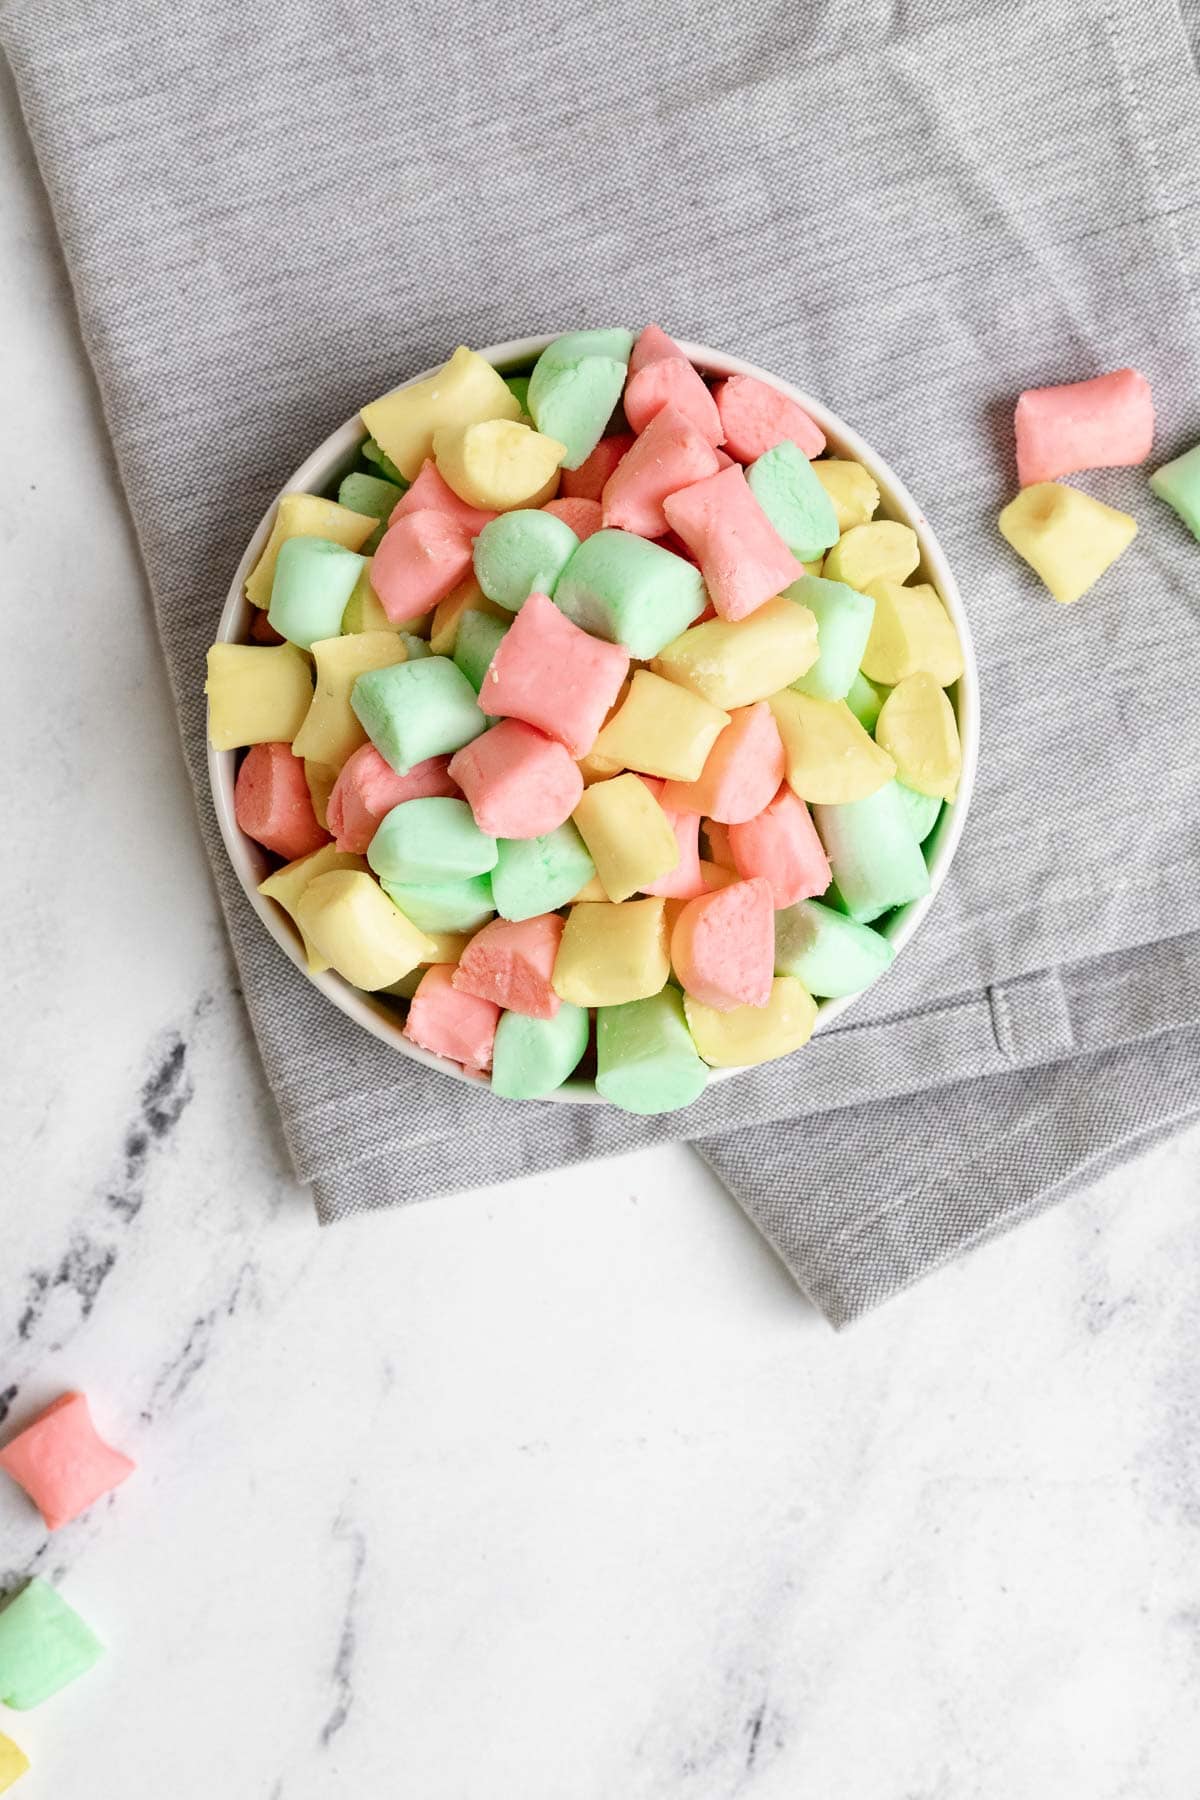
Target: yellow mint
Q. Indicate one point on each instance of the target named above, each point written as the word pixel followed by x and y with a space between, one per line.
pixel 446 946
pixel 753 1034
pixel 627 833
pixel 591 890
pixel 331 731
pixel 734 663
pixel 610 954
pixel 851 488
pixel 320 779
pixel 465 391
pixel 918 730
pixel 287 884
pixel 1066 537
pixel 882 551
pixel 661 729
pixel 305 515
pixel 597 768
pixel 257 694
pixel 362 934
pixel 13 1763
pixel 364 609
pixel 830 759
pixel 498 464
pixel 911 630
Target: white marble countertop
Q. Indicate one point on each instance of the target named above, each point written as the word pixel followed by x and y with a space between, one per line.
pixel 554 1492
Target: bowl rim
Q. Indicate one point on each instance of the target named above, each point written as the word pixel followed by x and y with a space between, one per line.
pixel 339 449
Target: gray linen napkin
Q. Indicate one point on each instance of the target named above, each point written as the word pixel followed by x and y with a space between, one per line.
pixel 270 215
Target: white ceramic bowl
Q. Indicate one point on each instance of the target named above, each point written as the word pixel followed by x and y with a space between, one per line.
pixel 338 454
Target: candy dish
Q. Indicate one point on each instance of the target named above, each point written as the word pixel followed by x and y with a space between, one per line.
pixel 340 453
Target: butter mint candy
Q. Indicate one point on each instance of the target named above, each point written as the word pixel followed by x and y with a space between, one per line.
pixel 575 385
pixel 479 637
pixel 532 1057
pixel 843 618
pixel 923 810
pixel 538 875
pixel 794 500
pixel 829 953
pixel 1178 483
pixel 444 905
pixel 430 840
pixel 314 578
pixel 521 553
pixel 876 860
pixel 369 494
pixel 373 495
pixel 865 701
pixel 13 1763
pixel 428 709
pixel 630 591
pixel 646 1061
pixel 44 1644
pixel 383 462
pixel 609 340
